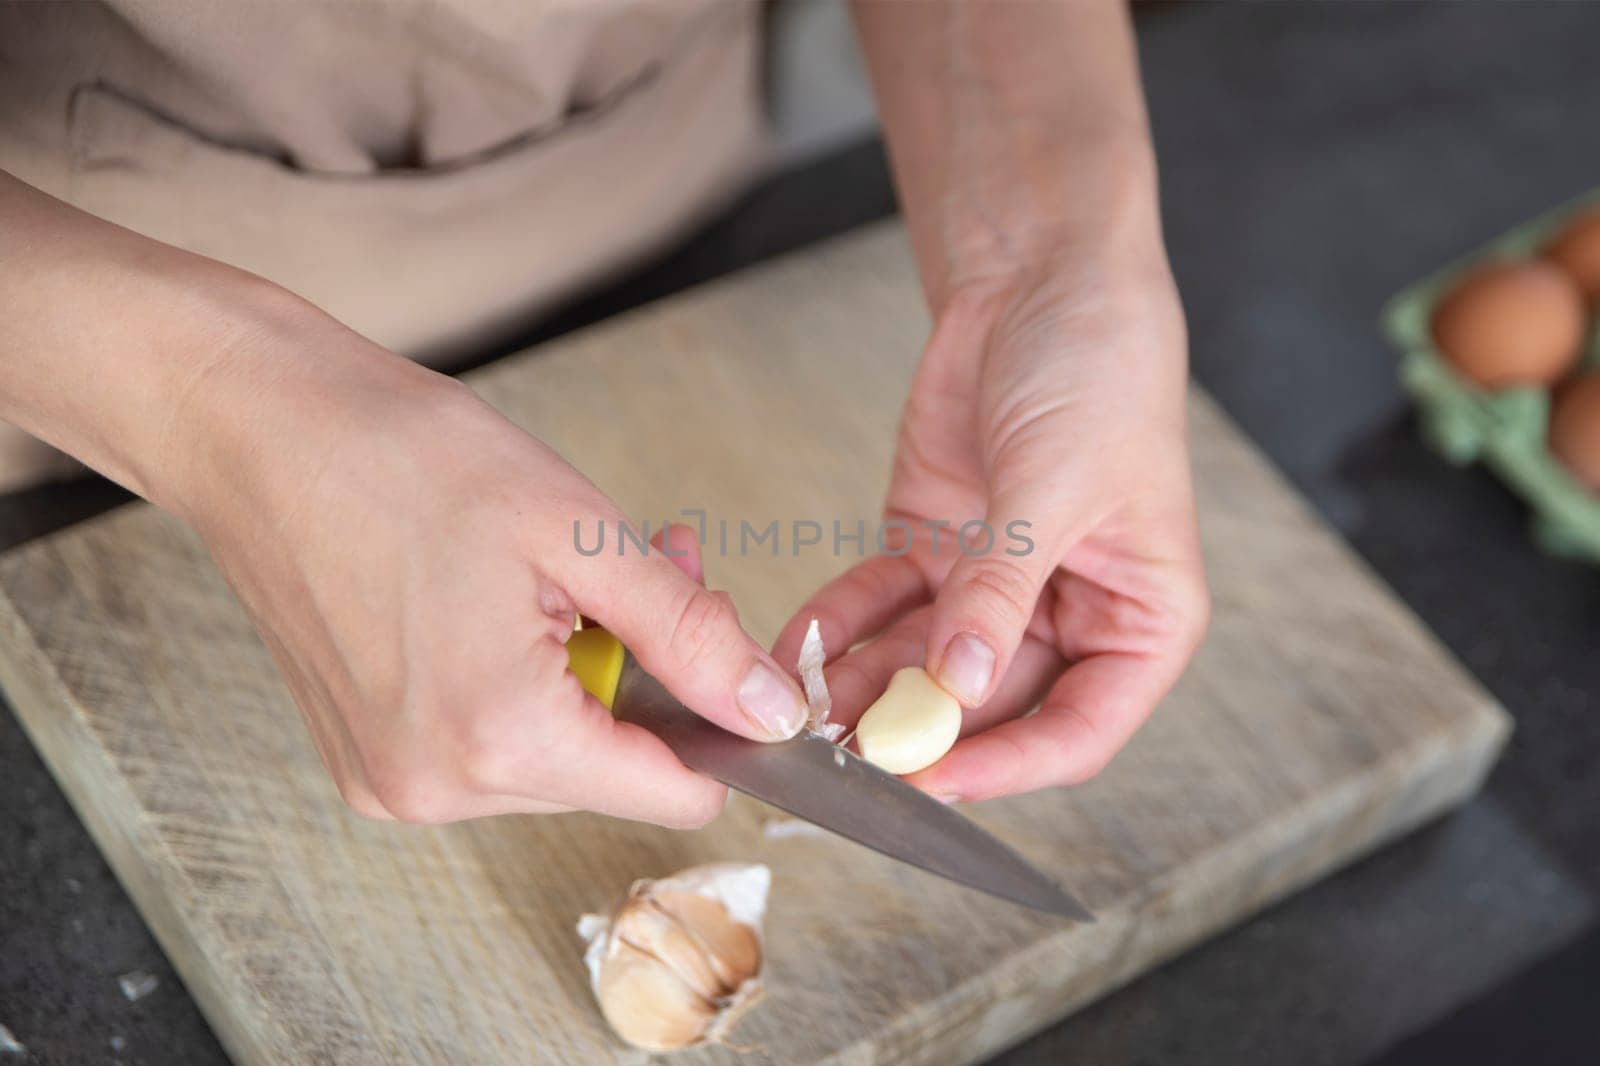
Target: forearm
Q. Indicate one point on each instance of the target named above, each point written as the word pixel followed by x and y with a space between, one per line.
pixel 1017 133
pixel 148 363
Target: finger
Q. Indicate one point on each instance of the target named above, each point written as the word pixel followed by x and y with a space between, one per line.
pixel 619 769
pixel 1034 669
pixel 992 593
pixel 860 677
pixel 857 680
pixel 553 745
pixel 487 805
pixel 690 639
pixel 855 605
pixel 623 771
pixel 682 548
pixel 1085 719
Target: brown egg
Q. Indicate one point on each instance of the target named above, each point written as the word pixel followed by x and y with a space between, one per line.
pixel 1575 429
pixel 1509 324
pixel 1576 250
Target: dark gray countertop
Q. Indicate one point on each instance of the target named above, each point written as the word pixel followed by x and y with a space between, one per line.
pixel 1315 159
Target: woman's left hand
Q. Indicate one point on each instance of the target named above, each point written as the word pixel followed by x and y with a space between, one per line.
pixel 1047 412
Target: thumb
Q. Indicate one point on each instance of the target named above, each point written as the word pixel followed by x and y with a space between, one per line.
pixel 986 601
pixel 688 637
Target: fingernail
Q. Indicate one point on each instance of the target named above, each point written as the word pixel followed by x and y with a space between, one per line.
pixel 966 668
pixel 772 701
pixel 946 798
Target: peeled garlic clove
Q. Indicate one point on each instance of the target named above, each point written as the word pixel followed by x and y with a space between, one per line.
pixel 911 725
pixel 678 962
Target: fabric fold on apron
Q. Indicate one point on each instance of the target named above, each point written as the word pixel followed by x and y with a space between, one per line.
pixel 589 134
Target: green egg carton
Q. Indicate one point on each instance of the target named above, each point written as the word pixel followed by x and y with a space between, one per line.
pixel 1503 429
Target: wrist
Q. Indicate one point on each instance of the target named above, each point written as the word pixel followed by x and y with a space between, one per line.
pixel 278 387
pixel 1069 301
pixel 1106 284
pixel 1050 216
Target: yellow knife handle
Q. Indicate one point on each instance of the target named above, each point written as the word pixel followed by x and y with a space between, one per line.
pixel 596 657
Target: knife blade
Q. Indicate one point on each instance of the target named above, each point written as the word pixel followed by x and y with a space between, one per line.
pixel 825 784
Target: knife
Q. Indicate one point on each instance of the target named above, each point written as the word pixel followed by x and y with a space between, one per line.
pixel 820 782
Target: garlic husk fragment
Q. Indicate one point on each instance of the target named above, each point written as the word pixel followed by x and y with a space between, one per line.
pixel 818 702
pixel 679 960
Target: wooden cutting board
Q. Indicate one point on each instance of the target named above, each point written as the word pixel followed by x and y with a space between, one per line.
pixel 1319 719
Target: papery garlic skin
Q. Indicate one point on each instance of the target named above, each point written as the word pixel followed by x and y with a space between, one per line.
pixel 818 702
pixel 812 659
pixel 741 887
pixel 679 960
pixel 911 726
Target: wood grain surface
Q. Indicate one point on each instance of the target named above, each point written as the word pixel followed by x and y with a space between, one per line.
pixel 1318 720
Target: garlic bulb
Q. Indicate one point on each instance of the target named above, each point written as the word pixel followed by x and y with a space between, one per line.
pixel 679 961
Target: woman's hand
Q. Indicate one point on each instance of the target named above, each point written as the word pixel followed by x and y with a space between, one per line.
pixel 408 556
pixel 406 553
pixel 1049 406
pixel 1049 401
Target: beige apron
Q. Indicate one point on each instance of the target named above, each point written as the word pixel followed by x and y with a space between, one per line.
pixel 433 174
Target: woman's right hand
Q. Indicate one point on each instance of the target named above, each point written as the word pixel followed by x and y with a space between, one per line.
pixel 405 552
pixel 408 556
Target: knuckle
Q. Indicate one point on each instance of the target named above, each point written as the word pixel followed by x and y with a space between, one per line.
pixel 905 640
pixel 881 581
pixel 1005 589
pixel 702 627
pixel 1080 751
